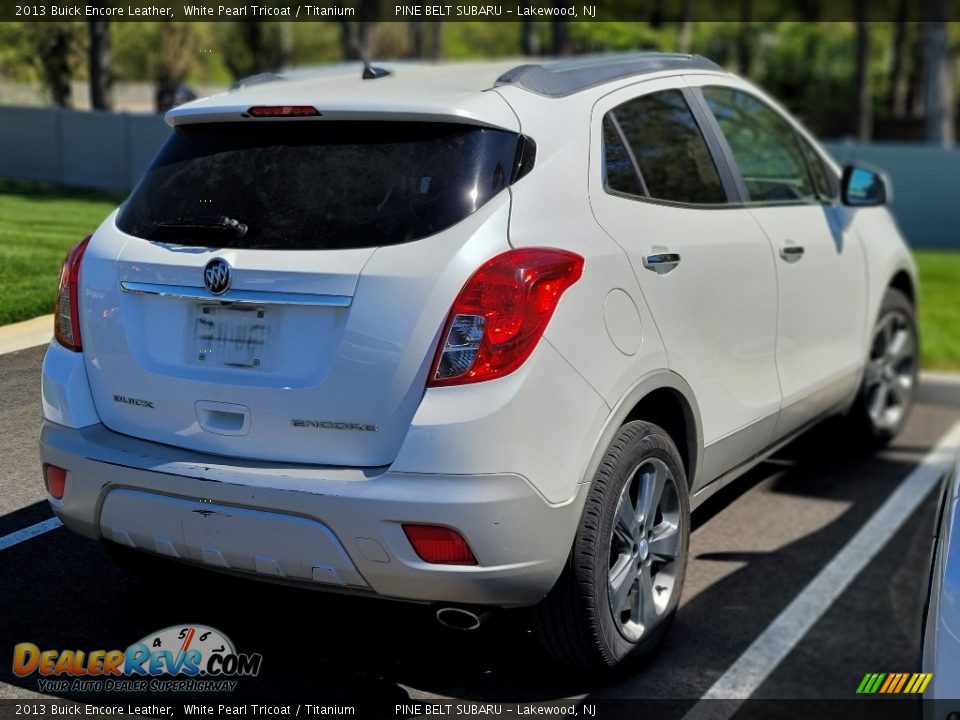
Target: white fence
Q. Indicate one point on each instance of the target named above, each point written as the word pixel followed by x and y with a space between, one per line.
pixel 101 150
pixel 111 150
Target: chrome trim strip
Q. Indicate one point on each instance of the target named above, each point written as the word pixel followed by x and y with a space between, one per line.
pixel 236 297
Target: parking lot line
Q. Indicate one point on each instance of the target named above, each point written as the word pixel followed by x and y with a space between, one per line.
pixel 19 536
pixel 769 649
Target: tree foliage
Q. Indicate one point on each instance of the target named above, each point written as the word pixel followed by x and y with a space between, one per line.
pixel 798 55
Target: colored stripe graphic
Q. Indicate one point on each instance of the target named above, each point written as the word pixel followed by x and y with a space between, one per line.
pixel 894 683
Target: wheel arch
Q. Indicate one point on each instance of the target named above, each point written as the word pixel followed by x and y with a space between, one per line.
pixel 902 281
pixel 665 399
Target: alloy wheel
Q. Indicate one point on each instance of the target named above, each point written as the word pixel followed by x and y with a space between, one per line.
pixel 644 546
pixel 891 371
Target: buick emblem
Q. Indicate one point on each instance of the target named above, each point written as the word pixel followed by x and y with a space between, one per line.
pixel 217 276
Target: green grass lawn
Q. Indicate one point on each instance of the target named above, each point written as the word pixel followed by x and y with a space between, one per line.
pixel 39 223
pixel 939 308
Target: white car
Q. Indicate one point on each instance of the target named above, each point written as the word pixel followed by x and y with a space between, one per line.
pixel 471 335
pixel 941 632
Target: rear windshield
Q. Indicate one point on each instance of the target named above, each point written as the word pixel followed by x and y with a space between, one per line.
pixel 311 185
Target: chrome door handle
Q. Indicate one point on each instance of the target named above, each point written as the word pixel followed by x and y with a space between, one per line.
pixel 791 253
pixel 661 262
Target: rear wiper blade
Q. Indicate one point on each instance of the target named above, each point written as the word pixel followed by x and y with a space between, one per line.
pixel 220 223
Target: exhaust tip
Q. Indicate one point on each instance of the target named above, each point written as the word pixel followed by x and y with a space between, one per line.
pixel 460 618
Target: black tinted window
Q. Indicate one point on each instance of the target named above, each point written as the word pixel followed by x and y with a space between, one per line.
pixel 317 185
pixel 673 157
pixel 619 172
pixel 766 148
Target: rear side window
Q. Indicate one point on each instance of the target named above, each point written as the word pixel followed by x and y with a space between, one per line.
pixel 317 185
pixel 619 171
pixel 671 154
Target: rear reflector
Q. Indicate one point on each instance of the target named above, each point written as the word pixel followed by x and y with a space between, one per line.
pixel 55 478
pixel 439 545
pixel 283 111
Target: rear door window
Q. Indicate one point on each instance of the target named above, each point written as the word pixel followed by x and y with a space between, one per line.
pixel 671 153
pixel 316 185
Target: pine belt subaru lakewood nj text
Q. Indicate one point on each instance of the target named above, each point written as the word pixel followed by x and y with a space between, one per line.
pixel 472 335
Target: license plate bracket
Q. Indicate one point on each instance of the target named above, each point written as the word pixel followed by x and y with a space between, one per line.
pixel 230 336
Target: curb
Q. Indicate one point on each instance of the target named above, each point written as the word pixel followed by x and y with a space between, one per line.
pixel 941 377
pixel 26 334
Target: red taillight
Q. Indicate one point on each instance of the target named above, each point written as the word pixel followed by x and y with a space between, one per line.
pixel 55 478
pixel 439 545
pixel 501 313
pixel 283 111
pixel 66 327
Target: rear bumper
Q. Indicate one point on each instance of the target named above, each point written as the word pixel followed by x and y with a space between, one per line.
pixel 332 528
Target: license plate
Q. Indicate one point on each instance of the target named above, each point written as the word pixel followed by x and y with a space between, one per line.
pixel 229 336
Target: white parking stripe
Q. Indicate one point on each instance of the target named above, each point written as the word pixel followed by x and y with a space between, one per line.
pixel 769 649
pixel 19 536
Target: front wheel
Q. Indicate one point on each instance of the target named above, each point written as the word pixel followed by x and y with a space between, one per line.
pixel 890 374
pixel 617 597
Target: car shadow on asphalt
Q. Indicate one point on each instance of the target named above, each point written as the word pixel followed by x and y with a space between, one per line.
pixel 63 592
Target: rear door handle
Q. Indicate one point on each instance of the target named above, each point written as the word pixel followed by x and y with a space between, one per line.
pixel 662 262
pixel 791 253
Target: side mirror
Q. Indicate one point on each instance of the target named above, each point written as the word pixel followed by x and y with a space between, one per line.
pixel 863 187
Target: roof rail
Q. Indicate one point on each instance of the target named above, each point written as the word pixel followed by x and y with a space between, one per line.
pixel 565 77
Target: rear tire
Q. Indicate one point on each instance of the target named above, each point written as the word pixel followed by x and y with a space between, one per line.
pixel 890 375
pixel 618 594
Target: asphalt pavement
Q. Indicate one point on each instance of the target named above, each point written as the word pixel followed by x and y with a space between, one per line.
pixel 756 547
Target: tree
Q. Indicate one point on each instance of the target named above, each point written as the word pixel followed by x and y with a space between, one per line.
pixel 745 39
pixel 899 78
pixel 915 81
pixel 252 48
pixel 356 38
pixel 685 33
pixel 529 36
pixel 864 103
pixel 940 111
pixel 416 39
pixel 436 40
pixel 286 44
pixel 54 44
pixel 560 26
pixel 349 40
pixel 172 61
pixel 101 78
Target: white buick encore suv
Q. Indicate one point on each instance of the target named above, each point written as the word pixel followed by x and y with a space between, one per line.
pixel 472 335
